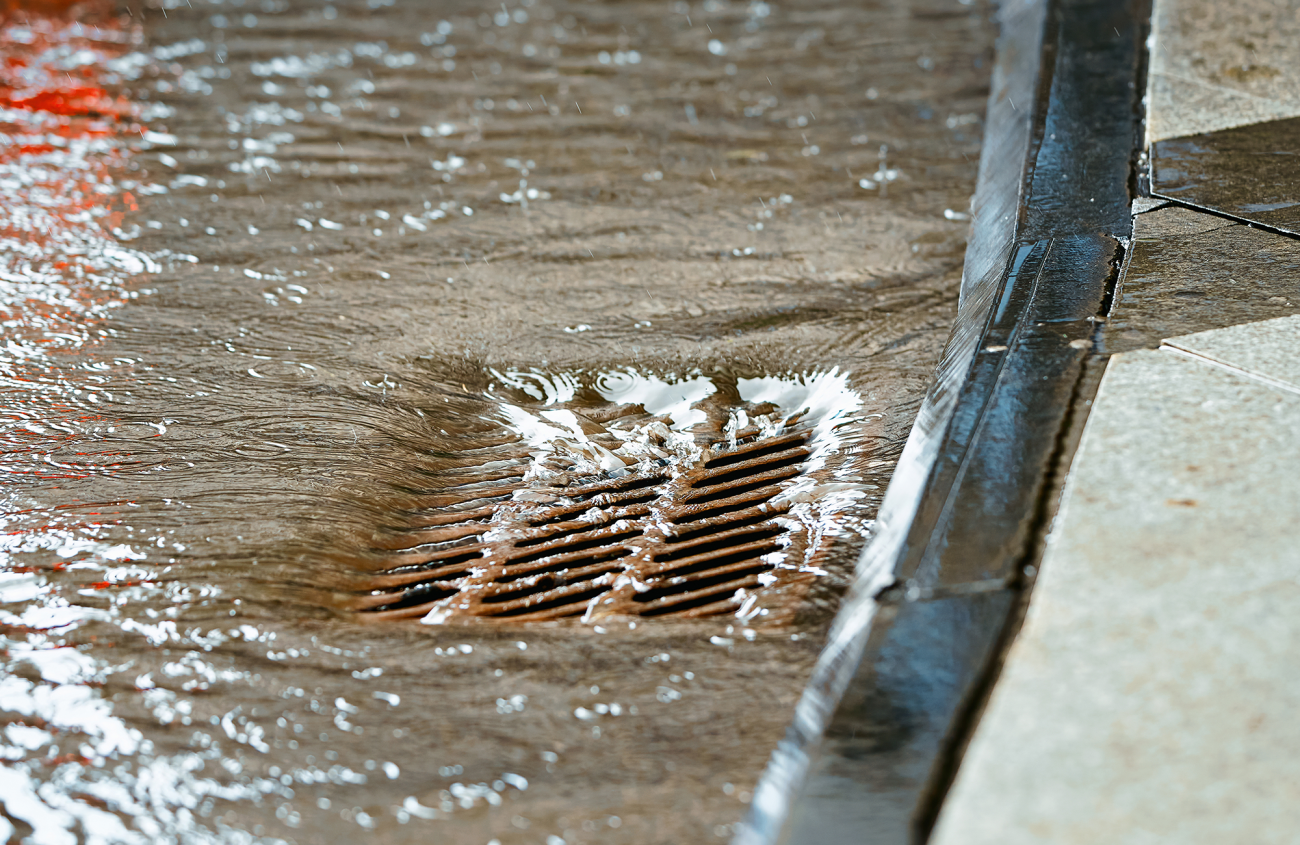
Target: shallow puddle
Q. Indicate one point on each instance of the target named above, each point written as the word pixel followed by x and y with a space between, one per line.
pixel 283 279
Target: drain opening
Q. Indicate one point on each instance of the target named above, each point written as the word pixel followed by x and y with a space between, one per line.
pixel 727 526
pixel 552 565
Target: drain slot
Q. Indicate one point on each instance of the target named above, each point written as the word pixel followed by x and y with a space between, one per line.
pixel 756 449
pixel 549 581
pixel 617 485
pixel 739 518
pixel 718 559
pixel 694 513
pixel 709 541
pixel 573 528
pixel 567 564
pixel 737 488
pixel 573 603
pixel 420 594
pixel 703 591
pixel 567 547
pixel 691 539
pixel 621 502
pixel 747 469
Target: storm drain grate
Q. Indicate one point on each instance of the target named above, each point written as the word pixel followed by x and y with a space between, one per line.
pixel 695 542
pixel 627 495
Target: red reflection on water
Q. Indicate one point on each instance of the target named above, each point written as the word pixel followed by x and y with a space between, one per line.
pixel 63 137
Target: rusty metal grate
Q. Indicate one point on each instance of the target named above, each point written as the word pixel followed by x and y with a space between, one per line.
pixel 713 537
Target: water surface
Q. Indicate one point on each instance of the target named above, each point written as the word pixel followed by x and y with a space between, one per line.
pixel 271 269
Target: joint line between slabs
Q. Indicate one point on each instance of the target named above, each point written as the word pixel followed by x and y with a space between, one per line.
pixel 1222 215
pixel 1205 360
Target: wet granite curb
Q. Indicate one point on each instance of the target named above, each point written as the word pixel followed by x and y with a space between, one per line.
pixel 1148 693
pixel 941 589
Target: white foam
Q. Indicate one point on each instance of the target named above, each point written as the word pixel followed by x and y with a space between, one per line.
pixel 674 400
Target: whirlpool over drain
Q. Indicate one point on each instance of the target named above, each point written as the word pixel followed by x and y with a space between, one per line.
pixel 606 512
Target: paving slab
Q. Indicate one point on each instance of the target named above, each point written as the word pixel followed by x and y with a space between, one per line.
pixel 1150 696
pixel 1266 350
pixel 1217 65
pixel 1247 173
pixel 1192 272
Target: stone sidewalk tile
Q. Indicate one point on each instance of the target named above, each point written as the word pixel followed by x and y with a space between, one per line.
pixel 1267 350
pixel 1151 694
pixel 1191 272
pixel 1215 65
pixel 1247 173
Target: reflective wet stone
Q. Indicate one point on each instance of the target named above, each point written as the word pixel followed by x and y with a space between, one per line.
pixel 1248 172
pixel 873 779
pixel 1192 271
pixel 1218 65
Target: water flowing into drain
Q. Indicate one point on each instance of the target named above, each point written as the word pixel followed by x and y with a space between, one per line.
pixel 628 517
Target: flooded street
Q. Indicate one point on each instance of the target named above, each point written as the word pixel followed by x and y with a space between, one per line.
pixel 320 317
